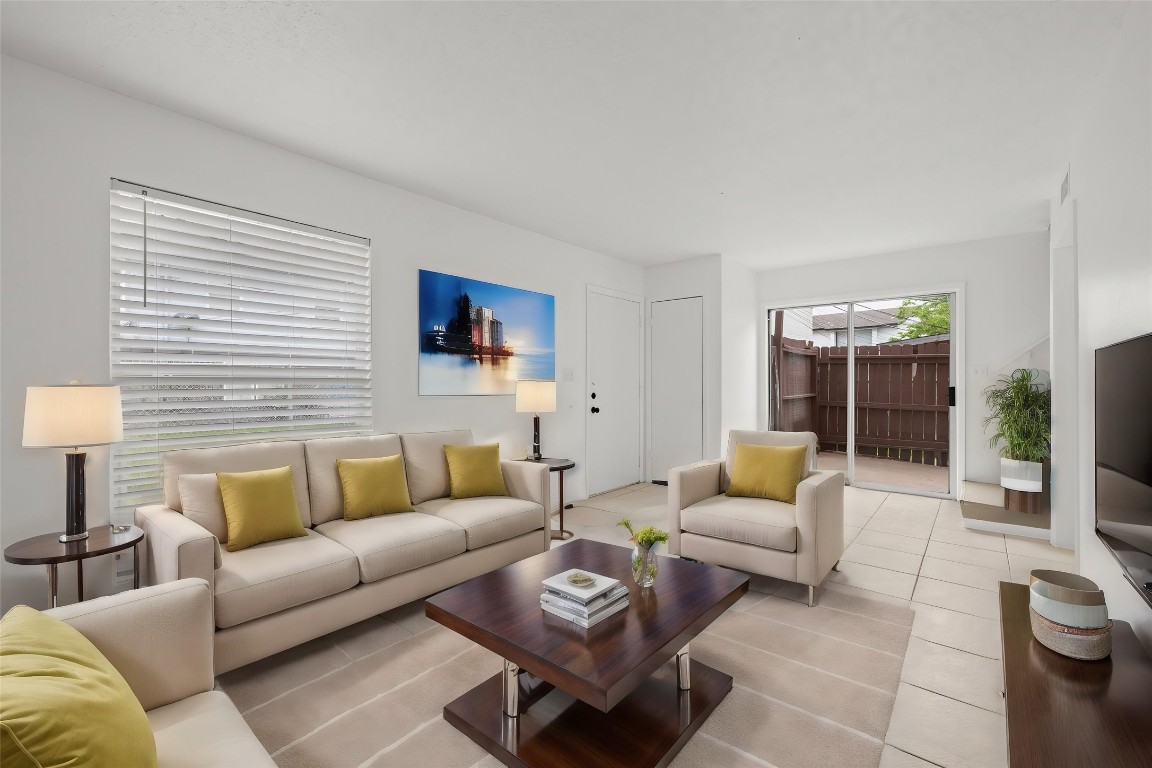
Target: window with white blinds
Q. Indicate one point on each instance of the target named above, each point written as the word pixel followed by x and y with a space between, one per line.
pixel 229 326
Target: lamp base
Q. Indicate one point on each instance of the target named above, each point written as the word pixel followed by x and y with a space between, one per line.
pixel 73 537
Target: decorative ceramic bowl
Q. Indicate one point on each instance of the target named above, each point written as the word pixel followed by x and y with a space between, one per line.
pixel 1069 615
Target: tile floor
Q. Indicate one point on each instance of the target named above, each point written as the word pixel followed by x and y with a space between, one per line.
pixel 914 551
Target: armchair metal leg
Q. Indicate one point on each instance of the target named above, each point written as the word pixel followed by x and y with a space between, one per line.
pixel 837 566
pixel 811 596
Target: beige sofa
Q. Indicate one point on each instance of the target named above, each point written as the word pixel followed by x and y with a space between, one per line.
pixel 798 542
pixel 194 725
pixel 276 595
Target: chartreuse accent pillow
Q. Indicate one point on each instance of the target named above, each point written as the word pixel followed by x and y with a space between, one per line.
pixel 373 486
pixel 62 703
pixel 260 506
pixel 767 471
pixel 474 470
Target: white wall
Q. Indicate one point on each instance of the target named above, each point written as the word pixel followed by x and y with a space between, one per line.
pixel 63 140
pixel 1004 285
pixel 743 331
pixel 1111 169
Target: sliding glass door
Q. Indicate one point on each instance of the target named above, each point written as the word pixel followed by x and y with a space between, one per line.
pixel 873 380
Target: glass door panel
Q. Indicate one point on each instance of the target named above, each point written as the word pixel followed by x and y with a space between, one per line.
pixel 902 364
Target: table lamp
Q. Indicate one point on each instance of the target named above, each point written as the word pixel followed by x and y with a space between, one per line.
pixel 73 416
pixel 535 397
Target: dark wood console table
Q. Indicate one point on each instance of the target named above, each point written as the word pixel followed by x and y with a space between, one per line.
pixel 1064 712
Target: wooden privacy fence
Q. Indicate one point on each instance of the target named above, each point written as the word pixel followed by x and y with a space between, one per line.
pixel 901 397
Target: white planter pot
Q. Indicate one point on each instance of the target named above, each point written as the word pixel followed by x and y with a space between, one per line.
pixel 1022 475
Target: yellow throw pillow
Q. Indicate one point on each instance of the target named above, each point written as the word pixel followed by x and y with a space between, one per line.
pixel 767 471
pixel 373 486
pixel 62 702
pixel 260 506
pixel 474 470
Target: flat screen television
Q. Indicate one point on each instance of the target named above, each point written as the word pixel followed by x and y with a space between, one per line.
pixel 1124 457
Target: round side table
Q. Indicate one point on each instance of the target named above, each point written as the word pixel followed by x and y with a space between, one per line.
pixel 50 551
pixel 558 465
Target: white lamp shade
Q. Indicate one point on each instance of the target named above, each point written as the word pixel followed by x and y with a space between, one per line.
pixel 535 396
pixel 71 416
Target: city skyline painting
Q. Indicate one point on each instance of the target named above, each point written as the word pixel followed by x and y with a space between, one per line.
pixel 479 338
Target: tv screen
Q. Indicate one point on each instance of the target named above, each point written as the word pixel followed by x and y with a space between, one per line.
pixel 1124 456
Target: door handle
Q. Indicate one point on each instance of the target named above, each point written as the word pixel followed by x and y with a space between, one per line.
pixel 595 409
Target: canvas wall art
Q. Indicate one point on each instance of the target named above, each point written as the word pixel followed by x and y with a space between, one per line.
pixel 479 338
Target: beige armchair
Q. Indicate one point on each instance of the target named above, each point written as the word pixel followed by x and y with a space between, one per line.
pixel 798 542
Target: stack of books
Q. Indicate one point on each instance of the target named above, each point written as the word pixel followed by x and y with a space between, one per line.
pixel 583 604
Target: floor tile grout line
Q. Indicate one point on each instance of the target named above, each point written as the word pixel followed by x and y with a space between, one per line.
pixel 747 755
pixel 803 664
pixel 332 671
pixel 813 715
pixel 961 650
pixel 953 698
pixel 906 752
pixel 373 699
pixel 400 741
pixel 821 634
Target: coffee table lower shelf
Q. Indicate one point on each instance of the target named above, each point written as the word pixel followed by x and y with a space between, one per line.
pixel 645 730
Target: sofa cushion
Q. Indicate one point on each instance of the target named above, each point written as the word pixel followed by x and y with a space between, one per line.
pixel 487 520
pixel 200 501
pixel 424 462
pixel 271 577
pixel 767 438
pixel 767 471
pixel 391 544
pixel 248 457
pixel 474 470
pixel 260 506
pixel 324 491
pixel 63 702
pixel 205 729
pixel 761 522
pixel 373 486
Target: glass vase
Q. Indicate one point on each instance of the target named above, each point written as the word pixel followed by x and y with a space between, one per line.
pixel 645 566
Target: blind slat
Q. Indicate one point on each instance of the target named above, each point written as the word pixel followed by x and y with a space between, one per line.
pixel 226 327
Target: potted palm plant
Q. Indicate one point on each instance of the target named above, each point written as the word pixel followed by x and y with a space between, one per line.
pixel 1020 409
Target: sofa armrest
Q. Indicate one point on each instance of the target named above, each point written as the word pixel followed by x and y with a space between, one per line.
pixel 176 547
pixel 688 485
pixel 528 480
pixel 819 525
pixel 159 638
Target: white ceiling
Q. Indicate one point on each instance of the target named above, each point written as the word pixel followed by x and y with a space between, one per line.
pixel 778 133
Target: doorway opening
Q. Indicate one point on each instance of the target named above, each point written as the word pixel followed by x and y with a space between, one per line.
pixel 874 381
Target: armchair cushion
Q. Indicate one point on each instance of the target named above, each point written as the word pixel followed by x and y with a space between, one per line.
pixel 767 471
pixel 735 436
pixel 760 522
pixel 64 703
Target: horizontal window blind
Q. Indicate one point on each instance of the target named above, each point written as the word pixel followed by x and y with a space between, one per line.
pixel 229 326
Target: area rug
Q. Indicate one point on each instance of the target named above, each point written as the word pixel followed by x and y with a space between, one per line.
pixel 813 687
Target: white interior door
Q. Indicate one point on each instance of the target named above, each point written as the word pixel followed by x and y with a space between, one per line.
pixel 676 385
pixel 614 391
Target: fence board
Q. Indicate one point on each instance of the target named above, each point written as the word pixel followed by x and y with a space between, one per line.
pixel 901 393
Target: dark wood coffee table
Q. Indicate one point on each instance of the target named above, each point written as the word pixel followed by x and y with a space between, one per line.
pixel 622 693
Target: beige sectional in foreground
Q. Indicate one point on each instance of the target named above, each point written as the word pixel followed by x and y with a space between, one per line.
pixel 276 595
pixel 160 639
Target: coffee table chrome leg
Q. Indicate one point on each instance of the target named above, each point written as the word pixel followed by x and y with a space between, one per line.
pixel 683 679
pixel 511 697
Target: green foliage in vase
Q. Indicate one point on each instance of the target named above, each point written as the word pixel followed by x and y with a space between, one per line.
pixel 647 536
pixel 1020 407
